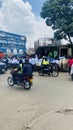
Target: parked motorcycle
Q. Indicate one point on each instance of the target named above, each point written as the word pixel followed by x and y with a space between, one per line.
pixel 26 82
pixel 51 70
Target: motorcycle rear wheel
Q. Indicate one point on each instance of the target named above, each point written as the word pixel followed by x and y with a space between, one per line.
pixel 27 85
pixel 10 81
pixel 55 73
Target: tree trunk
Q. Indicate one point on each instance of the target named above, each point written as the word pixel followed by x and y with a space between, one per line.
pixel 70 39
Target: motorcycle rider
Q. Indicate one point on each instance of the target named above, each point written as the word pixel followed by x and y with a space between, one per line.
pixel 23 70
pixel 17 72
pixel 27 68
pixel 26 71
pixel 45 62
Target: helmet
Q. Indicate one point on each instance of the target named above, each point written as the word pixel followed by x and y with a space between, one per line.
pixel 26 60
pixel 20 61
pixel 43 57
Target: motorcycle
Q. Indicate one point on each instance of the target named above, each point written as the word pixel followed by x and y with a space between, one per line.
pixel 51 70
pixel 25 82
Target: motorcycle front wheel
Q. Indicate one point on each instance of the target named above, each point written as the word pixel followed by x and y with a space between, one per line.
pixel 55 73
pixel 10 81
pixel 27 85
pixel 41 73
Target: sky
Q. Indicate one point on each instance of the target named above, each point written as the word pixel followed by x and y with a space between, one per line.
pixel 36 5
pixel 23 17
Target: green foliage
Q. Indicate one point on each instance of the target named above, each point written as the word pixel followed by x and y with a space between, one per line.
pixel 59 15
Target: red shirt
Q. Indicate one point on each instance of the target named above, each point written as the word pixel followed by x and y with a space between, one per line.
pixel 70 62
pixel 1 55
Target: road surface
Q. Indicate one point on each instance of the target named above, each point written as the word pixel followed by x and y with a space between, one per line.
pixel 48 105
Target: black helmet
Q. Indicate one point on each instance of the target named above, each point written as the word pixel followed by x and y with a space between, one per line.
pixel 26 60
pixel 20 61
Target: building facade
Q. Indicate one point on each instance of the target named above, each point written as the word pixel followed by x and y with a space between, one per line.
pixel 56 50
pixel 12 43
pixel 42 42
pixel 45 41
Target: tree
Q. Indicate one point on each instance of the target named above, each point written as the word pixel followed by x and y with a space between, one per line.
pixel 59 15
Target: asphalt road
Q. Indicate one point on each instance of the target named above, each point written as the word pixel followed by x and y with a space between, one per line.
pixel 48 105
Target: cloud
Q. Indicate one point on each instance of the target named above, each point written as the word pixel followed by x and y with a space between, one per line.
pixel 17 17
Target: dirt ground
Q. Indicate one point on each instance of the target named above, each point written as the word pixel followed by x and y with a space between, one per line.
pixel 48 105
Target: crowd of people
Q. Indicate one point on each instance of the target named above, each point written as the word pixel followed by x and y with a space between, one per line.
pixel 12 61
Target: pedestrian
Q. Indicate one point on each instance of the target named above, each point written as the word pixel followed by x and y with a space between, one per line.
pixel 70 62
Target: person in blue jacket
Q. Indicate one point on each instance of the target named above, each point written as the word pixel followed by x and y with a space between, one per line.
pixel 27 68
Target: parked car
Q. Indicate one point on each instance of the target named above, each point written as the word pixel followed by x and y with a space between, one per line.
pixel 3 67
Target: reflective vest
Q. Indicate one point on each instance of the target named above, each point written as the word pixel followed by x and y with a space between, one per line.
pixel 45 62
pixel 20 71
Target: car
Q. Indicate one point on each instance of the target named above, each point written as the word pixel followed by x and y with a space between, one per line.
pixel 2 67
